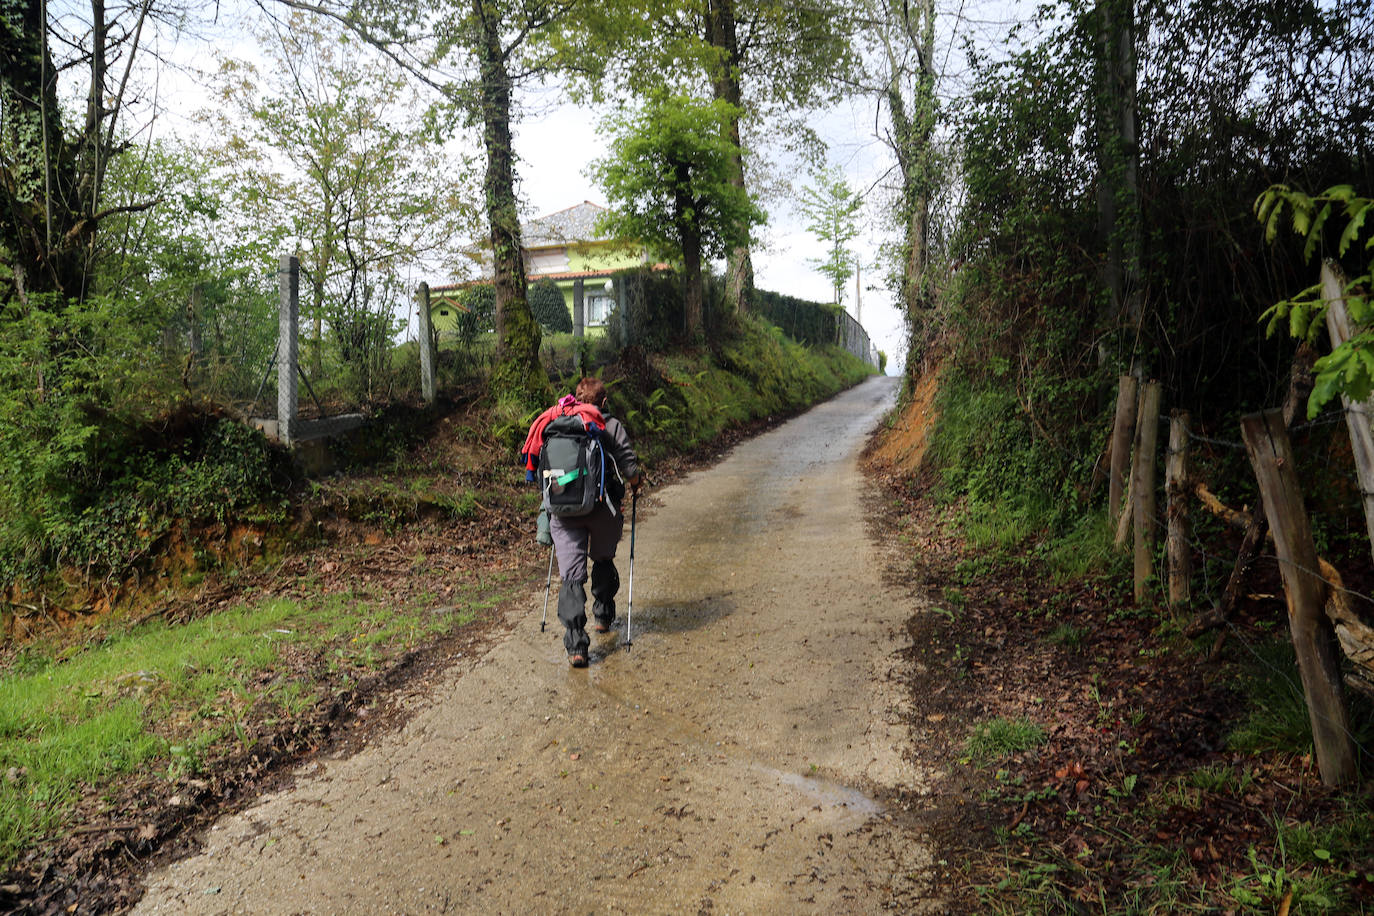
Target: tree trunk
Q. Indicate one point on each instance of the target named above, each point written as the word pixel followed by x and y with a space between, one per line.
pixel 690 233
pixel 1118 190
pixel 913 128
pixel 720 33
pixel 43 228
pixel 517 375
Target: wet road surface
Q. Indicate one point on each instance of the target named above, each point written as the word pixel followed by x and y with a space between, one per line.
pixel 728 763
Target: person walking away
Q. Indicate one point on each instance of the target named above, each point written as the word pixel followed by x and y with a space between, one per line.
pixel 592 537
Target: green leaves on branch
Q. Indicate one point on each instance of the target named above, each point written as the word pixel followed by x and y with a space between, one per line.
pixel 1349 369
pixel 667 177
pixel 1310 214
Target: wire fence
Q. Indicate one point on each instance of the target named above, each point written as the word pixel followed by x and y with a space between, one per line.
pixel 341 355
pixel 1217 565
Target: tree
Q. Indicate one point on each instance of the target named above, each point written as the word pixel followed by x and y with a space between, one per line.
pixel 1120 221
pixel 497 45
pixel 831 205
pixel 667 177
pixel 52 177
pixel 323 151
pixel 769 61
pixel 905 48
pixel 792 55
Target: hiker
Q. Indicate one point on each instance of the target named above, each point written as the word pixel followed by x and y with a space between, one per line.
pixel 593 536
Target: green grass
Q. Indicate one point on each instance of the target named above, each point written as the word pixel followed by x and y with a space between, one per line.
pixel 1069 636
pixel 1001 737
pixel 167 697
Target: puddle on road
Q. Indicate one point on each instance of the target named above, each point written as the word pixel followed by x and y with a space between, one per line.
pixel 859 806
pixel 666 618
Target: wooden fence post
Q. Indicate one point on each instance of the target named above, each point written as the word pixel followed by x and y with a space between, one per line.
pixel 1357 414
pixel 1122 427
pixel 1176 491
pixel 1271 454
pixel 1143 501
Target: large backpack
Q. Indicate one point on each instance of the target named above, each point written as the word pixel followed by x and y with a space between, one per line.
pixel 572 468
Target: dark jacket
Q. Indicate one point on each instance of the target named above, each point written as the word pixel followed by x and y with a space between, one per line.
pixel 616 442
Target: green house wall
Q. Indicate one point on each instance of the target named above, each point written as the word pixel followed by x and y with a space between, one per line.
pixel 602 258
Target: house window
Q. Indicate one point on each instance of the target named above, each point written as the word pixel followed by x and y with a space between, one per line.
pixel 599 309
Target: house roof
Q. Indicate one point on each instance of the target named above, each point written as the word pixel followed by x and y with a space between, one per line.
pixel 437 291
pixel 572 224
pixel 554 230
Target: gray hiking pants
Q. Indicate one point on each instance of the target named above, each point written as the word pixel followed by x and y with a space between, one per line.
pixel 576 540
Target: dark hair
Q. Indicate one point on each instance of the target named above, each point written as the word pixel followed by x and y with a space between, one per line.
pixel 591 391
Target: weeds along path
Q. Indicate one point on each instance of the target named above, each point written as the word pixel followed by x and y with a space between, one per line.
pixel 729 763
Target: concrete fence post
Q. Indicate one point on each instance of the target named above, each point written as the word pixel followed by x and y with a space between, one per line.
pixel 288 345
pixel 426 344
pixel 579 317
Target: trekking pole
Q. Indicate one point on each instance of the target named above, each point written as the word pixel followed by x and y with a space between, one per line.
pixel 630 602
pixel 547 585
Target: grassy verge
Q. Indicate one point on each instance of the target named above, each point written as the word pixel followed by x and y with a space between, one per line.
pixel 681 401
pixel 168 699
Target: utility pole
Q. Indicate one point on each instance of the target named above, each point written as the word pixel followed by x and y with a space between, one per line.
pixel 858 285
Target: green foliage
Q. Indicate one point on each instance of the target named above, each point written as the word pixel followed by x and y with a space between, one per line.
pixel 319 147
pixel 1276 717
pixel 1349 368
pixel 667 177
pixel 992 452
pixel 807 322
pixel 548 308
pixel 95 464
pixel 1029 342
pixel 479 316
pixel 686 399
pixel 832 208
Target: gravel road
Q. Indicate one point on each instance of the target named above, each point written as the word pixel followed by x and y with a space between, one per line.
pixel 729 763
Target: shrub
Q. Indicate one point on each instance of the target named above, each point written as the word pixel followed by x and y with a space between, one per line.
pixel 548 307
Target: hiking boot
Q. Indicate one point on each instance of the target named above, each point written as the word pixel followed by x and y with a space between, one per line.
pixel 578 659
pixel 604 626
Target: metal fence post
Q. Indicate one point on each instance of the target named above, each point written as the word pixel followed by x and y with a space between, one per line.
pixel 288 345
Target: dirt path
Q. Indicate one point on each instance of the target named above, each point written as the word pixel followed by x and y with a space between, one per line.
pixel 728 763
